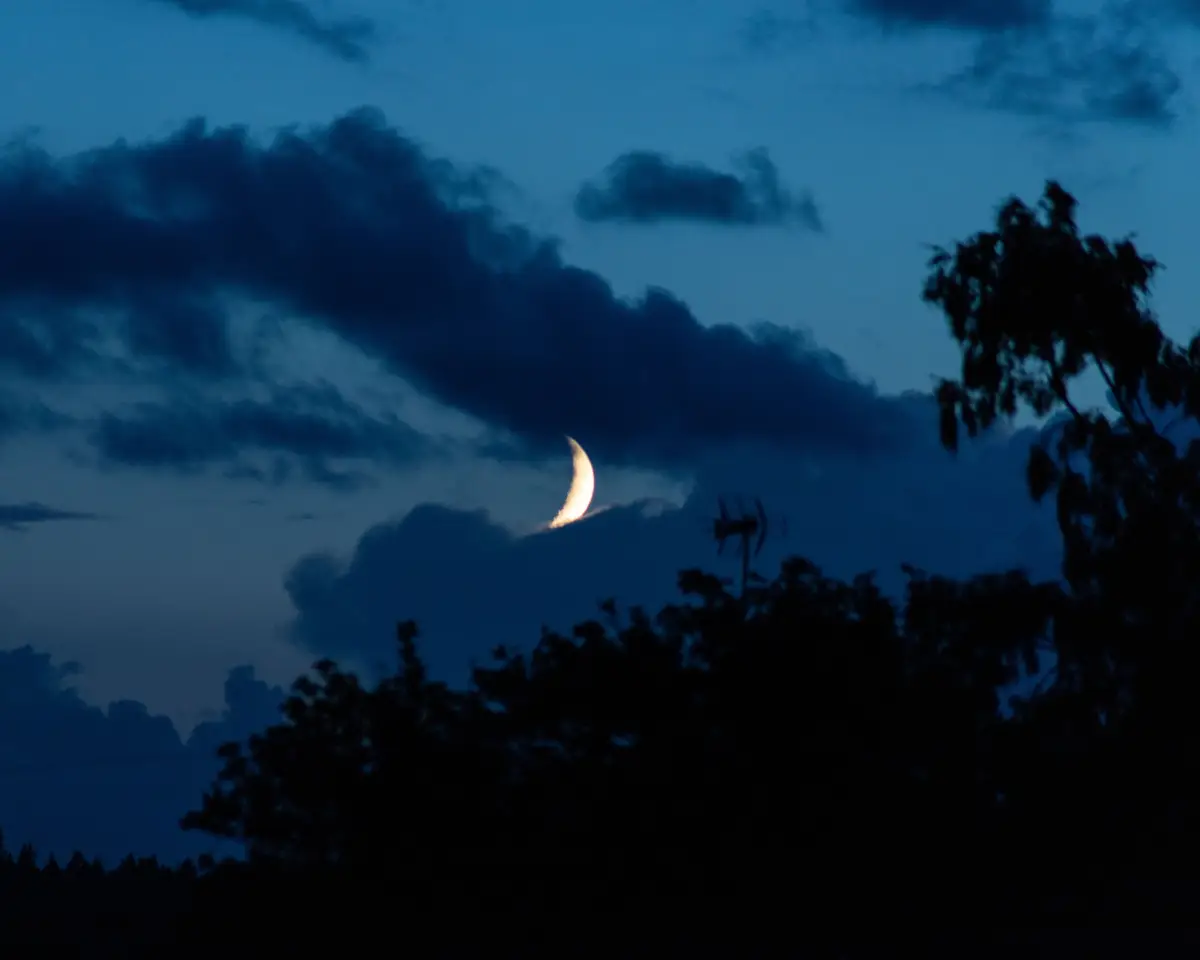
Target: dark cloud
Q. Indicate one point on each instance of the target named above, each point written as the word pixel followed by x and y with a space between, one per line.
pixel 16 516
pixel 351 226
pixel 1084 68
pixel 107 781
pixel 770 29
pixel 348 38
pixel 517 583
pixel 983 15
pixel 306 426
pixel 647 187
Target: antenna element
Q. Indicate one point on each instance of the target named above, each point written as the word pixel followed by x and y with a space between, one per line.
pixel 749 528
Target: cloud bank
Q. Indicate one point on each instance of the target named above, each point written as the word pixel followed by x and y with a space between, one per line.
pixel 108 781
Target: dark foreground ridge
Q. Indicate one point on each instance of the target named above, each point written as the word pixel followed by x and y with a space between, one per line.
pixel 808 769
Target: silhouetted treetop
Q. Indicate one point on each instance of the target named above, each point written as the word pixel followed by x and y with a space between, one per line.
pixel 1034 305
pixel 810 752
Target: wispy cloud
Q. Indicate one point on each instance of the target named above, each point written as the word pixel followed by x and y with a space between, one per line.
pixel 985 15
pixel 16 516
pixel 1027 56
pixel 347 38
pixel 301 430
pixel 1083 68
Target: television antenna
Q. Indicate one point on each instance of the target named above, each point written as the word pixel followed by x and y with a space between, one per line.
pixel 749 528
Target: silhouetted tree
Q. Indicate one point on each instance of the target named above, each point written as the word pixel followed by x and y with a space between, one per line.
pixel 812 755
pixel 804 729
pixel 812 728
pixel 1035 306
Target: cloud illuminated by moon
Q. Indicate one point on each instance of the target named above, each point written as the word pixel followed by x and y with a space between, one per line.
pixel 583 485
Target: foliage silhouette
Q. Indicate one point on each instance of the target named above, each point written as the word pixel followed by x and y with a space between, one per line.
pixel 1034 306
pixel 811 757
pixel 814 729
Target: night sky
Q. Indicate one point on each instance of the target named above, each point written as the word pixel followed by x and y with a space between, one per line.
pixel 298 300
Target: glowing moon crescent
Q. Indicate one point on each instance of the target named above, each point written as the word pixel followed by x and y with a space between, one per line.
pixel 583 485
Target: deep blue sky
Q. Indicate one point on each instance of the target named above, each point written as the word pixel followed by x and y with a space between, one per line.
pixel 245 355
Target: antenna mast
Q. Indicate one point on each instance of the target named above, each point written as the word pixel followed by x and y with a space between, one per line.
pixel 750 529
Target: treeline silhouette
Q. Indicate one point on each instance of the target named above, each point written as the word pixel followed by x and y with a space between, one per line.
pixel 811 768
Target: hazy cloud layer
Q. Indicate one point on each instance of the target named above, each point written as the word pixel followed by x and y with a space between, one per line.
pixel 646 187
pixel 347 38
pixel 353 228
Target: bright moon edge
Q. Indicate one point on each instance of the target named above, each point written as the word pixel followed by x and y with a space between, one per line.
pixel 583 486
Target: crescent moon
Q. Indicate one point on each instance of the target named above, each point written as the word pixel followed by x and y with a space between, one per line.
pixel 583 485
